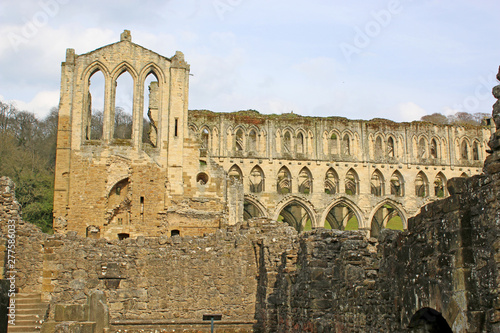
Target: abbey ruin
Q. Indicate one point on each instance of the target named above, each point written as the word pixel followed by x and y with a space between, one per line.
pixel 191 172
pixel 209 213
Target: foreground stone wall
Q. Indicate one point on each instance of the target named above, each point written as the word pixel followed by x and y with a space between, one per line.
pixel 447 260
pixel 263 276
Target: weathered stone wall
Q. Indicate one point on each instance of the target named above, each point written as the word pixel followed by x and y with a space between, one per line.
pixel 447 260
pixel 261 274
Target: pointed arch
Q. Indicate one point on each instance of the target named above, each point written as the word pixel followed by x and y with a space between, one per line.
pixel 297 212
pixel 377 183
pixel 397 184
pixel 257 180
pixel 239 139
pixel 433 152
pixel 379 149
pixel 94 67
pixel 252 141
pixel 351 182
pixel 253 208
pixel 123 102
pixel 387 214
pixel 391 147
pixel 331 182
pixel 284 181
pixel 475 151
pixel 300 143
pixel 346 145
pixel 287 142
pixel 440 185
pixel 93 115
pixel 342 214
pixel 154 69
pixel 421 185
pixel 124 67
pixel 422 147
pixel 305 181
pixel 333 142
pixel 151 109
pixel 235 173
pixel 205 137
pixel 464 150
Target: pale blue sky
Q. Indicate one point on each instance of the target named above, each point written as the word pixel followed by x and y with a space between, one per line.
pixel 397 59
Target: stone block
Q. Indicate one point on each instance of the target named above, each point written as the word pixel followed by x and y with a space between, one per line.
pixel 72 312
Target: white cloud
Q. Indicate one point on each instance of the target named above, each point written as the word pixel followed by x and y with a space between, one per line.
pixel 409 111
pixel 40 105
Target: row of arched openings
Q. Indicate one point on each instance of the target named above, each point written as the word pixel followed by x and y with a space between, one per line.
pixel 284 182
pixel 341 216
pixel 435 149
pixel 122 101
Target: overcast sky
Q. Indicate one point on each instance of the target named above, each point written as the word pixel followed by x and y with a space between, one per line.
pixel 396 59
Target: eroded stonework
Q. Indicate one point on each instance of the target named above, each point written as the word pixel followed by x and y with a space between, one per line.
pixel 198 171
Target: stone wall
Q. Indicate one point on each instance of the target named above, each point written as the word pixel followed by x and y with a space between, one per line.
pixel 263 276
pixel 447 260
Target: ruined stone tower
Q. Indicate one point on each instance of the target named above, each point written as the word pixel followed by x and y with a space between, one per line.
pixel 111 184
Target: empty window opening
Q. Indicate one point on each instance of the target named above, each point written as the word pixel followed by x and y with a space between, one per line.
pixel 287 142
pixel 440 186
pixel 284 181
pixel 176 127
pixel 123 106
pixel 94 107
pixel 346 145
pixel 341 217
pixel 351 183
pixel 205 135
pixel 333 144
pixel 300 143
pixel 331 182
pixel 202 178
pixel 422 148
pixel 434 148
pixel 397 187
pixel 251 211
pixel 305 181
pixel 379 151
pixel 377 184
pixel 464 151
pixel 297 216
pixel 390 147
pixel 239 140
pixel 475 151
pixel 387 217
pixel 123 236
pixel 142 205
pixel 150 116
pixel 252 141
pixel 175 232
pixel 421 185
pixel 256 180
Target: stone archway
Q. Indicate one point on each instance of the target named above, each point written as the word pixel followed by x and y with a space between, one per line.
pixel 387 215
pixel 297 214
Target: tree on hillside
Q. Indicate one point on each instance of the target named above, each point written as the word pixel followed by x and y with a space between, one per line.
pixel 27 156
pixel 436 118
pixel 459 118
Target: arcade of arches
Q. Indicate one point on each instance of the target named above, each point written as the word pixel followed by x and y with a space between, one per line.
pixel 151 167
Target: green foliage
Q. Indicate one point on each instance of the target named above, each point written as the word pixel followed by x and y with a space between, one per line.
pixel 27 156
